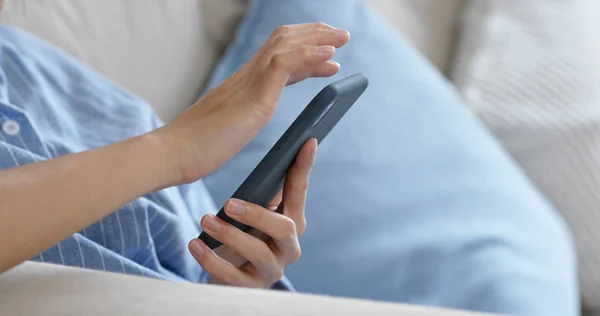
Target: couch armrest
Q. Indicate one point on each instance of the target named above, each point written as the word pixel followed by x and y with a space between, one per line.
pixel 44 289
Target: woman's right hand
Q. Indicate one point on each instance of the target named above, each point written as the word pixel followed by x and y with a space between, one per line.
pixel 222 122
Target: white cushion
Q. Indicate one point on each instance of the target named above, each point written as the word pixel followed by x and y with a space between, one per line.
pixel 41 289
pixel 531 71
pixel 222 17
pixel 430 25
pixel 163 52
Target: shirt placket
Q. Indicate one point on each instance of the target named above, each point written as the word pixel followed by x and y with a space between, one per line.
pixel 16 129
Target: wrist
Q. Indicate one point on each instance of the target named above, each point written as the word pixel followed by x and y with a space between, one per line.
pixel 158 152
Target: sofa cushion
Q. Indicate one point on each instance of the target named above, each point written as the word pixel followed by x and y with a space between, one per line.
pixel 531 71
pixel 60 290
pixel 430 25
pixel 164 53
pixel 221 19
pixel 153 48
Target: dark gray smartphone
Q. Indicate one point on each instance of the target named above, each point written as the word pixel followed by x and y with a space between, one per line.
pixel 315 121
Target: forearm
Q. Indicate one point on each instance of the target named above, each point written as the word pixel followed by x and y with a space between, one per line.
pixel 43 203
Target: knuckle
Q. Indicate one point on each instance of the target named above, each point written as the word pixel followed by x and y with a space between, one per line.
pixel 299 186
pixel 296 254
pixel 281 30
pixel 321 31
pixel 322 25
pixel 264 260
pixel 278 62
pixel 288 229
pixel 306 51
pixel 280 40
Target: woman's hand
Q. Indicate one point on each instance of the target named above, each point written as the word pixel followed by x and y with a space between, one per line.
pixel 74 191
pixel 265 261
pixel 222 122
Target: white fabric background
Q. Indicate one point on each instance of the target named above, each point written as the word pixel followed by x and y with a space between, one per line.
pixel 531 71
pixel 161 50
pixel 165 50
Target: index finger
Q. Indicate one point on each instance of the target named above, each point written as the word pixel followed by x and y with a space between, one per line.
pixel 286 30
pixel 296 184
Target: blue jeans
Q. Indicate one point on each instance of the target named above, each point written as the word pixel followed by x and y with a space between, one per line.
pixel 411 199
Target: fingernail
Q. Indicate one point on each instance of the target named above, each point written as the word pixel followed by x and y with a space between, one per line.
pixel 212 223
pixel 326 49
pixel 196 247
pixel 313 152
pixel 235 207
pixel 335 63
pixel 343 32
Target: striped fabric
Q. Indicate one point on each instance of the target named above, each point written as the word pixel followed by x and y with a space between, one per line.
pixel 52 106
pixel 531 71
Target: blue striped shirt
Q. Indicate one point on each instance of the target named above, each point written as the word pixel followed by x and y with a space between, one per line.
pixel 50 105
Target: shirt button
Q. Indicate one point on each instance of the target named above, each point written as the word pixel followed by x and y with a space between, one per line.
pixel 10 127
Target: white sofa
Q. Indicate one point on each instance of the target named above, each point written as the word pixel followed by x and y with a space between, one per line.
pixel 529 70
pixel 42 289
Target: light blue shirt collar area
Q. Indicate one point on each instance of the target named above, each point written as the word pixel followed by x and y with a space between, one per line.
pixel 17 130
pixel 51 106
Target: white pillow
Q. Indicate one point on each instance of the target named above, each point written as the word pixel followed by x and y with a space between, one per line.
pixel 165 52
pixel 161 50
pixel 531 71
pixel 222 17
pixel 430 25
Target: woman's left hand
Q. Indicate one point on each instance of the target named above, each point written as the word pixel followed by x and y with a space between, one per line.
pixel 265 261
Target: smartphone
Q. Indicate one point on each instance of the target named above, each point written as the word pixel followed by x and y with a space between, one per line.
pixel 315 121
